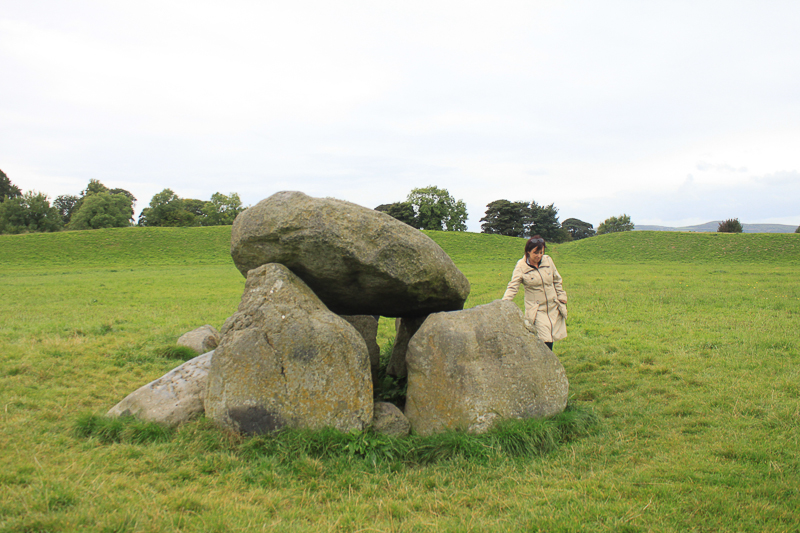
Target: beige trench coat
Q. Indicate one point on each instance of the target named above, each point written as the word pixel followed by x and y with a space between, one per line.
pixel 543 290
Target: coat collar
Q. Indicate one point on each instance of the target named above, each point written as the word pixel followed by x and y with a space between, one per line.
pixel 542 264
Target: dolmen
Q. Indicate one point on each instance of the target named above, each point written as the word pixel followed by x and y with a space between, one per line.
pixel 301 349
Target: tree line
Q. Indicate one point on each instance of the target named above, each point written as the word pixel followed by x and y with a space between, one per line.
pixel 427 208
pixel 524 219
pixel 432 208
pixel 97 207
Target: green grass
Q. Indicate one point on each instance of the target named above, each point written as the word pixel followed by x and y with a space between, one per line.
pixel 118 247
pixel 688 355
pixel 692 248
pixel 511 438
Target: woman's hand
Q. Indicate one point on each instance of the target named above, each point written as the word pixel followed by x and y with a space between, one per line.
pixel 562 301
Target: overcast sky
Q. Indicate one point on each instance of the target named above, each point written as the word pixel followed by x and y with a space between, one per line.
pixel 673 112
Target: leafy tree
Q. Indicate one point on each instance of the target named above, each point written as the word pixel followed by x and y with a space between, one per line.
pixel 797 230
pixel 544 221
pixel 195 207
pixel 435 209
pixel 402 211
pixel 615 224
pixel 95 187
pixel 66 206
pixel 506 218
pixel 130 195
pixel 103 210
pixel 222 210
pixel 166 209
pixel 28 212
pixel 8 189
pixel 578 229
pixel 732 225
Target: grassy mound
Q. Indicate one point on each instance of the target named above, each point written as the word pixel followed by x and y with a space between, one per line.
pixel 211 246
pixel 118 247
pixel 689 248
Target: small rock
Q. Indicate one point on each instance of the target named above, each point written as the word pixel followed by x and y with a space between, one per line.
pixel 172 399
pixel 390 420
pixel 201 340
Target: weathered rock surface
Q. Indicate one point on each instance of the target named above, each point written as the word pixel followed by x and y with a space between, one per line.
pixel 358 261
pixel 201 340
pixel 467 369
pixel 367 327
pixel 390 420
pixel 172 399
pixel 286 360
pixel 404 328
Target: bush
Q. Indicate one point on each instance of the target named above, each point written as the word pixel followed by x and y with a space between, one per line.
pixel 29 212
pixel 578 229
pixel 402 211
pixel 544 221
pixel 8 189
pixel 506 218
pixel 436 209
pixel 615 224
pixel 732 225
pixel 102 210
pixel 797 230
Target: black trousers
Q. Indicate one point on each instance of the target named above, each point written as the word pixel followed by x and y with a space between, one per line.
pixel 549 345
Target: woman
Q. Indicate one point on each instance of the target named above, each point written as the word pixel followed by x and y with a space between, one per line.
pixel 545 299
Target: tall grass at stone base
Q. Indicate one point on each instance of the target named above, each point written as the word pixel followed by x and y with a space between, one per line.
pixel 509 438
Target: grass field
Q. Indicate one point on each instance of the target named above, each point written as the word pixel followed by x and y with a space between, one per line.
pixel 685 345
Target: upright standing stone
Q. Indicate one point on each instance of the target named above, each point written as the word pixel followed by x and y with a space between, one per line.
pixel 468 369
pixel 367 327
pixel 286 360
pixel 358 261
pixel 404 328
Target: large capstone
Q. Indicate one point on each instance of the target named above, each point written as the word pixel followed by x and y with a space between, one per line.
pixel 358 261
pixel 174 398
pixel 286 360
pixel 468 369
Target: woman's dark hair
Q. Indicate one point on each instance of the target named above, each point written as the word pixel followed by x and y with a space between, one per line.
pixel 534 243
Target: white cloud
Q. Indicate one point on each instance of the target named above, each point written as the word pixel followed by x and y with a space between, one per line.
pixel 599 108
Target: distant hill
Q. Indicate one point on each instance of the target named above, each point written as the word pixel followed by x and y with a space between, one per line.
pixel 713 225
pixel 681 248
